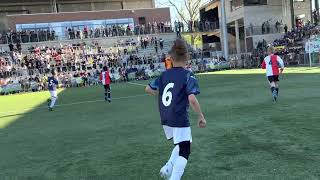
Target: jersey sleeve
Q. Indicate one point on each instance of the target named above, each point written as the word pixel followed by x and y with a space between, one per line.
pixel 154 85
pixel 263 66
pixel 192 85
pixel 280 62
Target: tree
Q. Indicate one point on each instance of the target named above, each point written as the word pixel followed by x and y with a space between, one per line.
pixel 187 10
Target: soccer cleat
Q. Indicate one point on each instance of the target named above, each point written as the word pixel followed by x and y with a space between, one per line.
pixel 109 100
pixel 165 172
pixel 50 109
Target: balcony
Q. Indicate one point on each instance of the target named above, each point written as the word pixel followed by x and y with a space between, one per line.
pixel 259 30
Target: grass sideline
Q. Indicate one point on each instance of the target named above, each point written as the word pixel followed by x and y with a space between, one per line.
pixel 248 136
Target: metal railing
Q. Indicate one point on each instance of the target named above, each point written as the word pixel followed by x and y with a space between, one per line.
pixel 259 30
pixel 43 36
pixel 50 35
pixel 198 27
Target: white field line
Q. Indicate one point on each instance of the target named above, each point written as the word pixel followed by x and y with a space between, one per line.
pixel 138 84
pixel 81 102
pixel 75 103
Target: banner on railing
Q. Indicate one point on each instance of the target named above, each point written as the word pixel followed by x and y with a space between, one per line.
pixel 312 46
pixel 279 48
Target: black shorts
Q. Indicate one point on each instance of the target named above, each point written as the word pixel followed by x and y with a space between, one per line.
pixel 107 87
pixel 273 79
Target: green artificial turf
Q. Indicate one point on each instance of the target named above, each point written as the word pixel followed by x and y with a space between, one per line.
pixel 248 136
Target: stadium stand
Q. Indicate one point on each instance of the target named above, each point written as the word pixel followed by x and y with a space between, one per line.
pixel 79 63
pixel 41 35
pixel 24 67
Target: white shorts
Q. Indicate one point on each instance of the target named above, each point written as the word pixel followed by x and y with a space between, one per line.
pixel 53 94
pixel 178 134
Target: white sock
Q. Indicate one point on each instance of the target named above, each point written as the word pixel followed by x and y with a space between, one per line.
pixel 173 157
pixel 53 101
pixel 178 168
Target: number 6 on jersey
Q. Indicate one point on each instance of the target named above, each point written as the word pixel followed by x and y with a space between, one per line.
pixel 167 95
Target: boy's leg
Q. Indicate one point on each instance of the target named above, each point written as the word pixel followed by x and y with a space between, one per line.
pixel 274 91
pixel 277 88
pixel 173 157
pixel 109 92
pixel 183 138
pixel 181 161
pixel 277 85
pixel 54 98
pixel 273 87
pixel 166 170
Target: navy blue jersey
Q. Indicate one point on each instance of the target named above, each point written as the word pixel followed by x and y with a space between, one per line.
pixel 52 83
pixel 175 85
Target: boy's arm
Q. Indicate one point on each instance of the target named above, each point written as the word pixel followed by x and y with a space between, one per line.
pixel 263 66
pixel 151 91
pixel 281 63
pixel 194 103
pixel 193 90
pixel 152 87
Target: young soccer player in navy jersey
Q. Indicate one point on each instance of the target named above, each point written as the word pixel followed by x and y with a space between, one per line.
pixel 52 87
pixel 177 89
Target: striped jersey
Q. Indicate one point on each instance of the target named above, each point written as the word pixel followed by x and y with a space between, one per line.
pixel 272 63
pixel 105 77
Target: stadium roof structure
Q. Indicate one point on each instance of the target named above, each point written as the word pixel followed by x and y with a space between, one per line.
pixel 46 1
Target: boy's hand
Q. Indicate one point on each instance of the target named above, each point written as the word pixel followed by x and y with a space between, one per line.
pixel 202 123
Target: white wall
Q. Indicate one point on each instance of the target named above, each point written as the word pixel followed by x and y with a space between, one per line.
pixel 259 14
pixel 303 8
pixel 233 15
pixel 137 4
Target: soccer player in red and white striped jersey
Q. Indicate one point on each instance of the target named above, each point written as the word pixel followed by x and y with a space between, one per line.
pixel 274 66
pixel 105 78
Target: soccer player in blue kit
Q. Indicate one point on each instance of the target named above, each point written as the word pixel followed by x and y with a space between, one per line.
pixel 177 89
pixel 52 87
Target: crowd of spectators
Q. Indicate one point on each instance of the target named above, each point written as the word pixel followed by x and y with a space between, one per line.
pixel 291 46
pixel 25 36
pixel 49 34
pixel 118 30
pixel 80 64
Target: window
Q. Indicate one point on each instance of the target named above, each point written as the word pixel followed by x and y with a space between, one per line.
pixel 255 2
pixel 236 4
pixel 60 27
